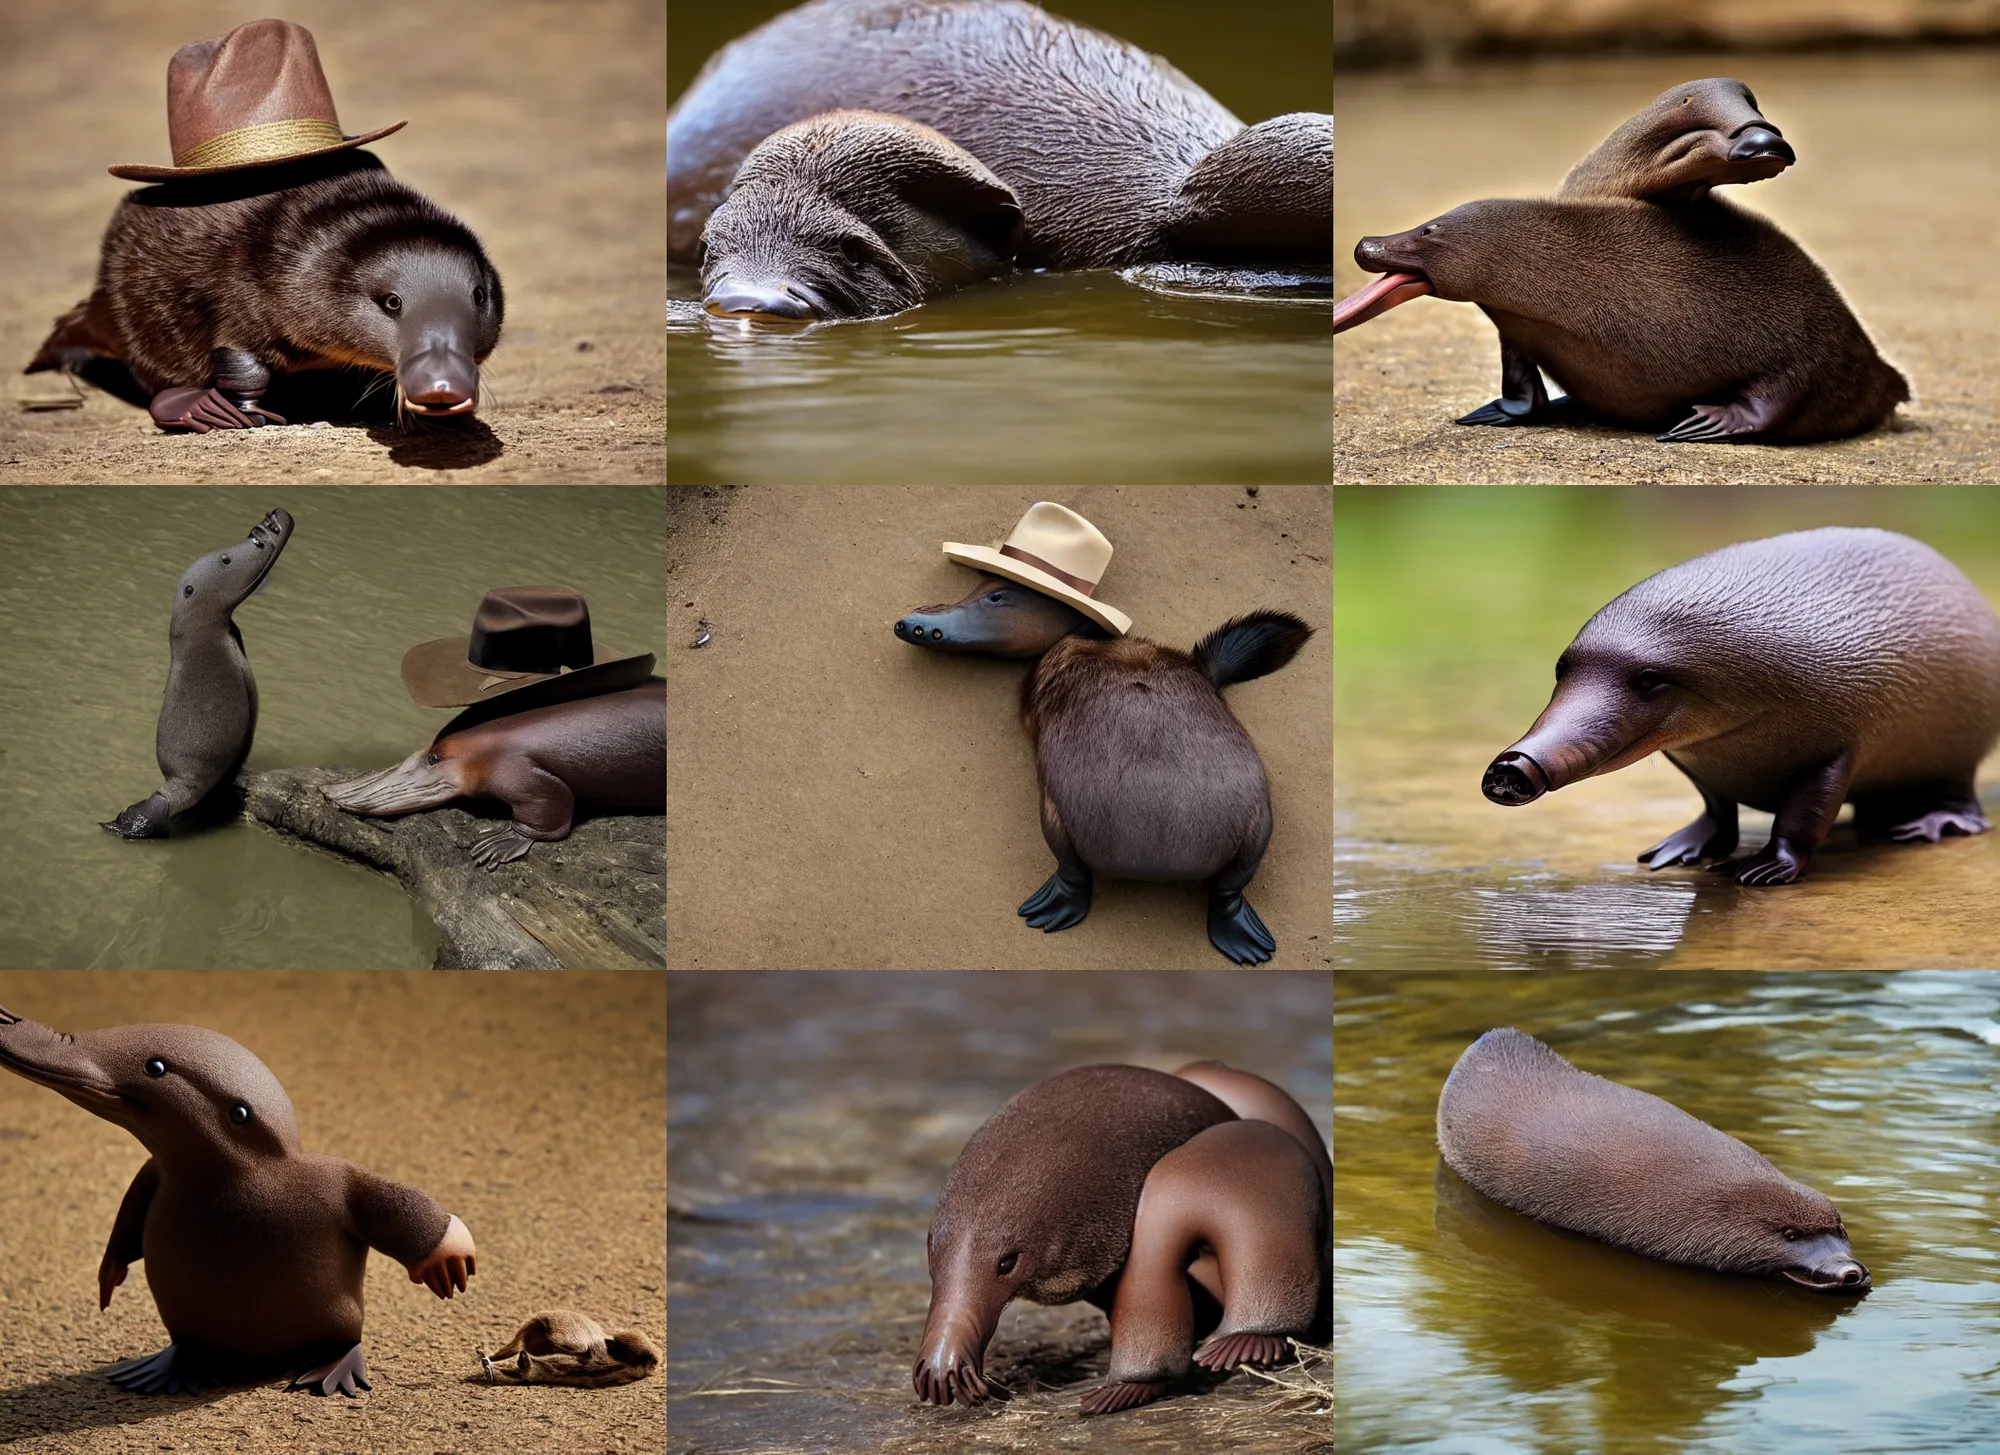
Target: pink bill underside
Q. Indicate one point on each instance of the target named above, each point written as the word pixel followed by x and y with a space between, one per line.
pixel 1378 297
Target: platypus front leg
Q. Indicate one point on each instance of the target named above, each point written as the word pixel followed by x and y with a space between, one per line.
pixel 1064 899
pixel 1522 399
pixel 231 404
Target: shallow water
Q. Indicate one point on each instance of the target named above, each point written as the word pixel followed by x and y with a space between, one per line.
pixel 1065 379
pixel 812 1118
pixel 1451 606
pixel 1878 1089
pixel 87 578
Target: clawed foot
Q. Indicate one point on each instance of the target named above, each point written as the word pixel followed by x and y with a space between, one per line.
pixel 1234 929
pixel 1505 412
pixel 202 410
pixel 1226 1351
pixel 446 1267
pixel 1931 827
pixel 1698 841
pixel 502 848
pixel 144 820
pixel 1716 423
pixel 1778 862
pixel 346 1375
pixel 1109 1398
pixel 1058 904
pixel 171 1371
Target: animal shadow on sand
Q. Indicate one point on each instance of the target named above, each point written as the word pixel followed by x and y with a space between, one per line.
pixel 457 444
pixel 88 1401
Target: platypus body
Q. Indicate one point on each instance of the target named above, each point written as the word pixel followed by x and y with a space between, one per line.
pixel 208 288
pixel 1145 772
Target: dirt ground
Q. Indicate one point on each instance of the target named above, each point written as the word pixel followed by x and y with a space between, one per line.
pixel 837 798
pixel 533 1107
pixel 538 125
pixel 1890 146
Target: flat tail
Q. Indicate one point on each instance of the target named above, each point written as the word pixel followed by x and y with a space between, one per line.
pixel 1250 646
pixel 84 333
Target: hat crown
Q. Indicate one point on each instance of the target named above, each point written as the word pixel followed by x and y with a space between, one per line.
pixel 530 629
pixel 264 74
pixel 1062 538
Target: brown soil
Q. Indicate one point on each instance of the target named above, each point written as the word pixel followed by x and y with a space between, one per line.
pixel 539 129
pixel 837 798
pixel 531 1106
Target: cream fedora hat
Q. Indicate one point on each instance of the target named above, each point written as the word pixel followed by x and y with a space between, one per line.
pixel 1058 553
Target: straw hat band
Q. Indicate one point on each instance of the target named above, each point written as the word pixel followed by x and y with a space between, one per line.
pixel 271 141
pixel 1075 583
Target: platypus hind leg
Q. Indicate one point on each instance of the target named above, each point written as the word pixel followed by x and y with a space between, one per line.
pixel 1064 898
pixel 146 819
pixel 173 1370
pixel 1233 926
pixel 346 1375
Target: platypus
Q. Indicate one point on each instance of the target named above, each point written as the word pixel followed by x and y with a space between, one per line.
pixel 254 1247
pixel 1145 773
pixel 208 288
pixel 1794 674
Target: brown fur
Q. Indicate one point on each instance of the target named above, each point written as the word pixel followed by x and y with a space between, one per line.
pixel 562 1346
pixel 284 268
pixel 1094 136
pixel 918 215
pixel 1528 1129
pixel 1052 1178
pixel 1640 311
pixel 1679 147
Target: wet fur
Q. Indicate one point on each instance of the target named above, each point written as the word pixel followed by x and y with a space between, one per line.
pixel 280 263
pixel 1532 1131
pixel 1094 135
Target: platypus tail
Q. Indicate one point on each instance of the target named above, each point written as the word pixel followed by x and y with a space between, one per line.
pixel 1250 646
pixel 86 332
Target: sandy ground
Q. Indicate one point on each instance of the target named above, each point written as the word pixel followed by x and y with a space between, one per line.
pixel 1890 147
pixel 532 1107
pixel 837 798
pixel 538 125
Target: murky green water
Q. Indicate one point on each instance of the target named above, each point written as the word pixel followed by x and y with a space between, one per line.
pixel 1461 1327
pixel 1451 606
pixel 87 578
pixel 1072 379
pixel 812 1118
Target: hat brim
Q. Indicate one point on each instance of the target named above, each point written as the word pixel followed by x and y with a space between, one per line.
pixel 134 172
pixel 436 673
pixel 985 558
pixel 584 682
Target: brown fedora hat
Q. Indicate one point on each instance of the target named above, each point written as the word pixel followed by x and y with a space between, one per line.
pixel 253 98
pixel 532 640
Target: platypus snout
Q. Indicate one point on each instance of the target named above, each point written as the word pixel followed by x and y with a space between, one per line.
pixel 440 380
pixel 920 631
pixel 1514 779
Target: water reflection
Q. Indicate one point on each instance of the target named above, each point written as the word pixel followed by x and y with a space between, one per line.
pixel 1878 1089
pixel 1583 925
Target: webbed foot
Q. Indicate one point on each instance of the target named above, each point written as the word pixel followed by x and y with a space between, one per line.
pixel 201 410
pixel 1235 929
pixel 346 1375
pixel 146 819
pixel 1110 1398
pixel 1721 423
pixel 1928 828
pixel 1058 904
pixel 500 848
pixel 1226 1351
pixel 1504 412
pixel 171 1371
pixel 1702 839
pixel 1778 862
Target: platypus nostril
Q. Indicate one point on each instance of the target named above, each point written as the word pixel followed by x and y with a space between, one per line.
pixel 937 634
pixel 902 629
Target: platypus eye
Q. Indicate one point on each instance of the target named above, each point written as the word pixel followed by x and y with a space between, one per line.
pixel 187 590
pixel 392 303
pixel 997 597
pixel 431 759
pixel 1007 1262
pixel 1648 682
pixel 225 560
pixel 239 1113
pixel 478 297
pixel 854 249
pixel 155 1066
pixel 1791 1235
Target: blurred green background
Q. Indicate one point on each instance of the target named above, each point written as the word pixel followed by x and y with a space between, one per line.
pixel 1259 60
